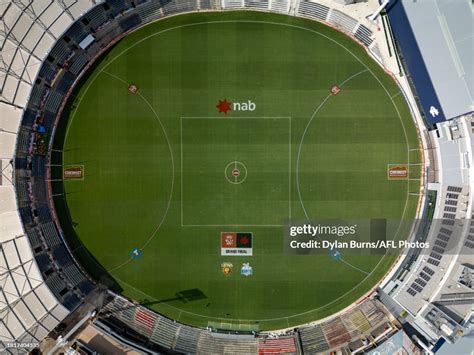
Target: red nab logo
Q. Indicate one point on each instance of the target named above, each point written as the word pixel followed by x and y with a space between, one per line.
pixel 224 106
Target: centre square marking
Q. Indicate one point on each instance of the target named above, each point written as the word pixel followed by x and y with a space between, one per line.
pixel 238 148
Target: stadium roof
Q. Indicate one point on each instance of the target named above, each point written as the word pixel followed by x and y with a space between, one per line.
pixel 436 38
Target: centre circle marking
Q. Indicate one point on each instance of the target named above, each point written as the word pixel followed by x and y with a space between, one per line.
pixel 235 172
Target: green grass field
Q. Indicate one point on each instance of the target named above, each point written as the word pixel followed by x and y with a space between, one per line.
pixel 159 165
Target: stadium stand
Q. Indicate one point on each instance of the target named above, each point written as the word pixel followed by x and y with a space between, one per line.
pixel 313 10
pixel 313 339
pixel 232 4
pixel 337 19
pixel 259 4
pixel 341 20
pixel 336 333
pixel 365 321
pixel 282 6
pixel 28 309
pixel 173 335
pixel 363 34
pixel 175 6
pixel 284 345
pixel 187 340
pixel 226 344
pixel 150 11
pixel 33 299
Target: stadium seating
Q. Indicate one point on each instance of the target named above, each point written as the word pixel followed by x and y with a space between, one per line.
pixel 341 20
pixel 363 34
pixel 173 335
pixel 313 339
pixel 284 345
pixel 313 10
pixel 345 331
pixel 337 19
pixel 30 298
pixel 187 339
pixel 256 4
pixel 232 4
pixel 205 5
pixel 150 11
pixel 178 6
pixel 282 6
pixel 165 332
pixel 336 333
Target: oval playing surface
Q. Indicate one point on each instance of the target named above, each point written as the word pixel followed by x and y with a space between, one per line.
pixel 207 132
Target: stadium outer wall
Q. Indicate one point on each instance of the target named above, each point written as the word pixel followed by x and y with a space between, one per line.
pixel 118 38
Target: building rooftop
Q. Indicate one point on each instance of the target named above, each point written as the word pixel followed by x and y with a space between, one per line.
pixel 436 38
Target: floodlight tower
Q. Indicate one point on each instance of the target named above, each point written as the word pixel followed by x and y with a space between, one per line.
pixel 380 8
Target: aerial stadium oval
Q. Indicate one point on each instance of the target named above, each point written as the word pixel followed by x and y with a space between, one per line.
pixel 152 138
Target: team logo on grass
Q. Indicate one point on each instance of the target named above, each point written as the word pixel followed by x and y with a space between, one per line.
pixel 335 254
pixel 246 269
pixel 235 244
pixel 133 89
pixel 397 172
pixel 226 268
pixel 136 254
pixel 73 172
pixel 335 89
pixel 225 106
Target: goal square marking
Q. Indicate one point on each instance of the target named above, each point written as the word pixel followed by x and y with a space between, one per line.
pixel 267 220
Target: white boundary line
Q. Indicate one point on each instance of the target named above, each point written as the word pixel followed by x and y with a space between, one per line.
pixel 299 154
pixel 229 119
pixel 315 112
pixel 354 267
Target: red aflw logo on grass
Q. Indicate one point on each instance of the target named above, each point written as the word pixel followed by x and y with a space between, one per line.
pixel 233 243
pixel 225 106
